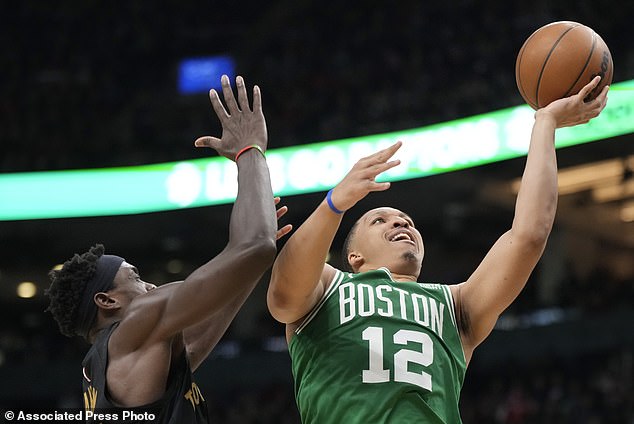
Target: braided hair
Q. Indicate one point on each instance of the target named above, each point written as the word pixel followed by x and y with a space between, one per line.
pixel 67 288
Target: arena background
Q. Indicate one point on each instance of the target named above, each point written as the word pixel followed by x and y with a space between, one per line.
pixel 94 84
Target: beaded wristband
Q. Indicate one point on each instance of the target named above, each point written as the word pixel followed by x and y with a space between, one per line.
pixel 330 204
pixel 253 146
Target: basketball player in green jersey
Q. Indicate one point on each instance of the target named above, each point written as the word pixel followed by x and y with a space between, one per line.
pixel 147 341
pixel 374 345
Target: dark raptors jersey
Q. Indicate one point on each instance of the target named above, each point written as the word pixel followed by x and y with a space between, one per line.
pixel 182 402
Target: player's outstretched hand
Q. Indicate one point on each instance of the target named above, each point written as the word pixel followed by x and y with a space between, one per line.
pixel 241 126
pixel 573 110
pixel 360 180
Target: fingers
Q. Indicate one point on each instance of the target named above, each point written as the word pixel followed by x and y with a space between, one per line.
pixel 603 101
pixel 371 166
pixel 373 170
pixel 281 211
pixel 227 92
pixel 376 162
pixel 603 96
pixel 378 169
pixel 230 100
pixel 217 105
pixel 283 231
pixel 243 99
pixel 207 141
pixel 385 154
pixel 598 104
pixel 583 93
pixel 379 186
pixel 382 167
pixel 257 99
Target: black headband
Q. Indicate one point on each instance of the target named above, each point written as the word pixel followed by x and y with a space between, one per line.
pixel 101 281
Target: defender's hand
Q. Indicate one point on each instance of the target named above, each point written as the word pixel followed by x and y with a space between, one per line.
pixel 241 126
pixel 281 211
pixel 360 180
pixel 573 110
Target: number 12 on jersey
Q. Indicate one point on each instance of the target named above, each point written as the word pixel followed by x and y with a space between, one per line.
pixel 402 358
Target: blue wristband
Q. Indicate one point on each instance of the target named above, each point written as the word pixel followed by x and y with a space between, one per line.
pixel 330 205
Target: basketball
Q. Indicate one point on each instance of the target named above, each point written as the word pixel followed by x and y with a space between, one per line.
pixel 558 60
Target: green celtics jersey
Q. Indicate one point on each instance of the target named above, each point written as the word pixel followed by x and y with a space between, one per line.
pixel 375 350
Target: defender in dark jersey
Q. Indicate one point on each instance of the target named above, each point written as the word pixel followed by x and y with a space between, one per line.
pixel 147 341
pixel 374 345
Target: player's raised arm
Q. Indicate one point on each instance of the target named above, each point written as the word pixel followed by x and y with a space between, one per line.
pixel 202 337
pixel 300 272
pixel 504 271
pixel 251 247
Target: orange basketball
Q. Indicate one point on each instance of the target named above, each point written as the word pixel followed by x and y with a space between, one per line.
pixel 558 59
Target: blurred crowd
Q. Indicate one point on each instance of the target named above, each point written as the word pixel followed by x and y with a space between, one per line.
pixel 598 292
pixel 588 389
